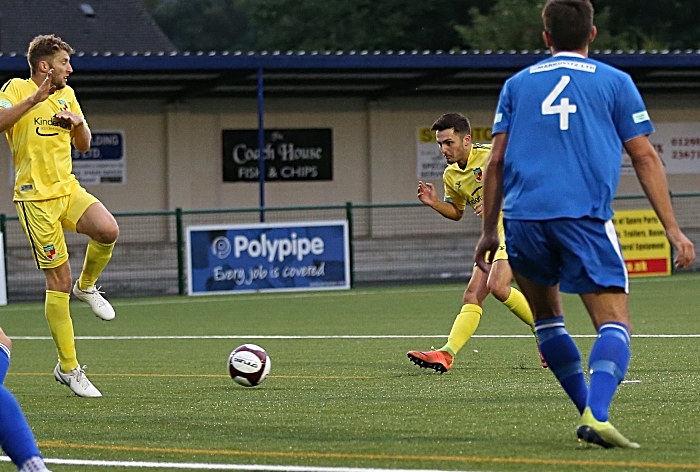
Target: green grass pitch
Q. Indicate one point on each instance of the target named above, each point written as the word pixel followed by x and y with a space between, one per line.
pixel 342 392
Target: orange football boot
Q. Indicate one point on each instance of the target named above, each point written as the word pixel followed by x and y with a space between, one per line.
pixel 542 359
pixel 441 361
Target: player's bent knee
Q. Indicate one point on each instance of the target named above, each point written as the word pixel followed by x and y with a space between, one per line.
pixel 500 292
pixel 107 234
pixel 471 298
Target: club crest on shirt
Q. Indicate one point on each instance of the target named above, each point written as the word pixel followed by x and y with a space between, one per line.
pixel 62 104
pixel 478 174
pixel 50 251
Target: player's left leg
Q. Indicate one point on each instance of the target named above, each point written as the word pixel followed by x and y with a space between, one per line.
pixel 86 215
pixel 499 286
pixel 463 328
pixel 558 348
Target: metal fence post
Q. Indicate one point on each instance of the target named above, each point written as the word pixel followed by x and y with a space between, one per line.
pixel 348 216
pixel 180 252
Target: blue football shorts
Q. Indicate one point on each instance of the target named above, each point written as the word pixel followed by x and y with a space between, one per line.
pixel 582 255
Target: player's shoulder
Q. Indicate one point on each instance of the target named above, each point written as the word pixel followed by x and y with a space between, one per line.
pixel 451 172
pixel 15 83
pixel 607 68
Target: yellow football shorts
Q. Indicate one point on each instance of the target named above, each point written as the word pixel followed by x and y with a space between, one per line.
pixel 501 253
pixel 43 222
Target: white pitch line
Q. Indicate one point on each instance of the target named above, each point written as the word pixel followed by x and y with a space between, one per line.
pixel 340 336
pixel 203 466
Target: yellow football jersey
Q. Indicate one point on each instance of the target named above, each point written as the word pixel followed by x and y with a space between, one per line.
pixel 40 143
pixel 463 186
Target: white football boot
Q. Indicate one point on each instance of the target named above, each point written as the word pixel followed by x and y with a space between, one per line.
pixel 77 381
pixel 93 297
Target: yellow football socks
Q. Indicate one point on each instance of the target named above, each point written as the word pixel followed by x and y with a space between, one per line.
pixel 463 328
pixel 61 327
pixel 96 258
pixel 517 303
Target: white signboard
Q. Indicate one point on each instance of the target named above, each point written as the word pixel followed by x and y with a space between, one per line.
pixel 678 145
pixel 431 163
pixel 105 161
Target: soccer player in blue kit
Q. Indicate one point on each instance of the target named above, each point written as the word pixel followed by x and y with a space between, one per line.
pixel 557 204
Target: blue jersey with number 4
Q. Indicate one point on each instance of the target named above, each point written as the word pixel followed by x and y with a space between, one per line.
pixel 566 118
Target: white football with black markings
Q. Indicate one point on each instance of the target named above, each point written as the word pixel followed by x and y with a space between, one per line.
pixel 249 365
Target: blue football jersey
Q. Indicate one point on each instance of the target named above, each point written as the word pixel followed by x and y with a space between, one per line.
pixel 566 118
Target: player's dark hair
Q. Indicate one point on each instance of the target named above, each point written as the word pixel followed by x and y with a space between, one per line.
pixel 459 122
pixel 568 22
pixel 45 46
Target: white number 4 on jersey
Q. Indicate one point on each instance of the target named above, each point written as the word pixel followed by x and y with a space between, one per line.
pixel 564 108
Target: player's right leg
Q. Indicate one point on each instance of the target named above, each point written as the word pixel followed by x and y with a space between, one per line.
pixel 16 437
pixel 593 267
pixel 86 215
pixel 462 330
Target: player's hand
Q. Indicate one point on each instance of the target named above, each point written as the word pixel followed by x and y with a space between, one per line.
pixel 479 209
pixel 72 118
pixel 45 89
pixel 685 250
pixel 427 193
pixel 486 250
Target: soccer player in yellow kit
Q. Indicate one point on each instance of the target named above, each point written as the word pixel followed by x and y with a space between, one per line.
pixel 462 179
pixel 41 118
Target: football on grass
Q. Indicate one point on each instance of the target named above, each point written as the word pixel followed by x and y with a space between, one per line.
pixel 249 365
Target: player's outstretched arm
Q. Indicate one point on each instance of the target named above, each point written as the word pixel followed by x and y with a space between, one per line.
pixel 428 195
pixel 650 173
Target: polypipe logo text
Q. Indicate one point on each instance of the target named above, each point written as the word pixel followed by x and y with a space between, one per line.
pixel 280 248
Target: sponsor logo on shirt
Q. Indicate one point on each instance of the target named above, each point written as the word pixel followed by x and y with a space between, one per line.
pixel 44 125
pixel 26 188
pixel 575 65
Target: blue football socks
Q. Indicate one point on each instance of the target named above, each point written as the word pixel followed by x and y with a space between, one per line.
pixel 16 438
pixel 564 358
pixel 607 364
